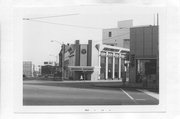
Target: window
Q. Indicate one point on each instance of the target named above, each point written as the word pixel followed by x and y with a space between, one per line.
pixel 110 34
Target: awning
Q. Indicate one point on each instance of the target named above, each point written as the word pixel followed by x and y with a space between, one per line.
pixel 81 68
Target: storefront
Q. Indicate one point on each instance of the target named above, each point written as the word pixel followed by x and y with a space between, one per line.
pixel 111 62
pixel 81 72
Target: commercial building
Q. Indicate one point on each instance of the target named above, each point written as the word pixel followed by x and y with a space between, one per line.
pixel 119 36
pixel 144 55
pixel 49 69
pixel 91 61
pixel 27 69
pixel 49 63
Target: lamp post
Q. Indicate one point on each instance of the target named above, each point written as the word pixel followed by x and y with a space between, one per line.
pixel 62 57
pixel 56 57
pixel 57 42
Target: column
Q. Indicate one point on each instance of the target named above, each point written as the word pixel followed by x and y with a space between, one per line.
pixel 106 65
pixel 119 66
pixel 99 65
pixel 113 68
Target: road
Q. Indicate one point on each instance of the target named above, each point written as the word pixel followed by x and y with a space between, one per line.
pixel 58 93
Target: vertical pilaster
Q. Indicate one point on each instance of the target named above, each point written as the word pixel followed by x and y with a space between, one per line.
pixel 89 53
pixel 113 68
pixel 99 64
pixel 119 66
pixel 77 60
pixel 106 65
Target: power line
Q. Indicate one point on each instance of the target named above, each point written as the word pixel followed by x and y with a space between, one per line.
pixel 78 26
pixel 50 16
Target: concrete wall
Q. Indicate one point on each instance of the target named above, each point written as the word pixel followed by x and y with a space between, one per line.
pixel 117 34
pixel 117 38
pixel 126 43
pixel 125 23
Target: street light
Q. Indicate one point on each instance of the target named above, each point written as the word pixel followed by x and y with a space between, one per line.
pixel 62 61
pixel 56 57
pixel 61 44
pixel 57 42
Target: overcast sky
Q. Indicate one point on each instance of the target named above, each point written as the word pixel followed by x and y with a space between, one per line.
pixel 87 23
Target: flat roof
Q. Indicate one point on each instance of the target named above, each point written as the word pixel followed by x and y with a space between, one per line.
pixel 144 26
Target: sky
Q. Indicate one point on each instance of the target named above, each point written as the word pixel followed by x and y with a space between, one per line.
pixel 81 23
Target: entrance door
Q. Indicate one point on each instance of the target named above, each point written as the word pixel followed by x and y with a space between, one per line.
pixel 85 75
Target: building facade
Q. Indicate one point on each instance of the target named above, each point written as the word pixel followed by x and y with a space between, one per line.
pixel 49 69
pixel 144 55
pixel 92 61
pixel 119 36
pixel 27 69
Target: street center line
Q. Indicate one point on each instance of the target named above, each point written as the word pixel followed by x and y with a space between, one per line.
pixel 128 95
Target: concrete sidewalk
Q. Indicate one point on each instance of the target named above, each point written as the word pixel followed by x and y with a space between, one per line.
pixel 153 94
pixel 105 83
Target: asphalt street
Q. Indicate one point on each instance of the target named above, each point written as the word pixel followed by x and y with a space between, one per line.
pixel 64 93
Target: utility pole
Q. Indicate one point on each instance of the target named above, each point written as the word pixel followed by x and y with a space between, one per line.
pixel 62 61
pixel 62 57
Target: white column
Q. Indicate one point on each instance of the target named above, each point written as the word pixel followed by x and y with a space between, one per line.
pixel 119 66
pixel 113 68
pixel 99 61
pixel 106 65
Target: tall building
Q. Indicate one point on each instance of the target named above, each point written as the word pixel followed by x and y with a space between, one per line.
pixel 119 36
pixel 91 61
pixel 144 55
pixel 27 69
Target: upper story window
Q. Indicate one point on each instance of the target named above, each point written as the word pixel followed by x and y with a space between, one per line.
pixel 110 34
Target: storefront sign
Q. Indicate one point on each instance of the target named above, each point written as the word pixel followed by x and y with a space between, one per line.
pixel 81 68
pixel 76 69
pixel 71 52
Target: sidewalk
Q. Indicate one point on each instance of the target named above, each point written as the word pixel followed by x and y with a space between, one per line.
pixel 153 94
pixel 100 83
